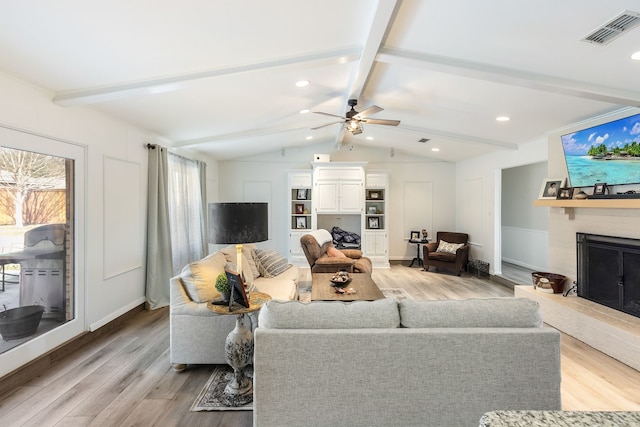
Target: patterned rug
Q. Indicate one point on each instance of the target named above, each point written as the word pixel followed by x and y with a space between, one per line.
pixel 209 397
pixel 397 293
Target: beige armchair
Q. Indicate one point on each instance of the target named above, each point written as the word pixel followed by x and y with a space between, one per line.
pixel 323 257
pixel 452 257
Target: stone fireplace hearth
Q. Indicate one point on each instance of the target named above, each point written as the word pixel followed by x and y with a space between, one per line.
pixel 608 330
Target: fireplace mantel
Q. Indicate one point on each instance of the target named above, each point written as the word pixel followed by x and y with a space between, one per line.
pixel 590 203
pixel 570 205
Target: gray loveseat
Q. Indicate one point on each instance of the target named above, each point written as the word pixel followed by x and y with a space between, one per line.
pixel 402 363
pixel 197 334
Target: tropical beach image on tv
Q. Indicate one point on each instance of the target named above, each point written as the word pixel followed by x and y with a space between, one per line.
pixel 608 153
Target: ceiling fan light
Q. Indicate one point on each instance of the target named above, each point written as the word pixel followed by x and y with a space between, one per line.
pixel 353 125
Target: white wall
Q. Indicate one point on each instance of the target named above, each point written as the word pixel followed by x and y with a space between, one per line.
pixel 433 209
pixel 112 283
pixel 478 181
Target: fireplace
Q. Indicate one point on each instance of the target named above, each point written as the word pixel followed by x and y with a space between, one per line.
pixel 609 271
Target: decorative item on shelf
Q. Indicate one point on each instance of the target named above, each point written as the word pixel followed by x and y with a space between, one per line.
pixel 222 285
pixel 374 222
pixel 305 212
pixel 374 195
pixel 565 193
pixel 600 189
pixel 550 188
pixel 415 236
pixel 580 195
pixel 299 208
pixel 302 194
pixel 373 210
pixel 238 223
pixel 301 222
pixel 424 234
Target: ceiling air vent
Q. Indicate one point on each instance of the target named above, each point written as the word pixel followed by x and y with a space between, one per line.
pixel 613 29
pixel 423 140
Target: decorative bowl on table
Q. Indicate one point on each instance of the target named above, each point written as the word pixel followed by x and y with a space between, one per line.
pixel 340 279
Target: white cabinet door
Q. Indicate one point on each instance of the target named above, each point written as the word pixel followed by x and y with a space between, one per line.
pixel 375 243
pixel 351 197
pixel 339 197
pixel 326 197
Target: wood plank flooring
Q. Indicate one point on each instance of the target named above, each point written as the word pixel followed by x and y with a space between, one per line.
pixel 124 378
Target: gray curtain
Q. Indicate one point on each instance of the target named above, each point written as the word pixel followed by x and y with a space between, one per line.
pixel 159 264
pixel 202 167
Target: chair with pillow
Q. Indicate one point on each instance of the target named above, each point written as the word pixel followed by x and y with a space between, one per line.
pixel 450 251
pixel 323 257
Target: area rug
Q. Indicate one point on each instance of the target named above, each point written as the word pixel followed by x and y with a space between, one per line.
pixel 397 293
pixel 209 397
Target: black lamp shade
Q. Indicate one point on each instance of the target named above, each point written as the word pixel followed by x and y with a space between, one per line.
pixel 237 223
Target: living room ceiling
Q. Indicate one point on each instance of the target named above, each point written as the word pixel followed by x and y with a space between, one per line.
pixel 220 77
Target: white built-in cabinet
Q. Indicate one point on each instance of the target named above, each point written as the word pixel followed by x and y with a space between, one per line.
pixel 339 191
pixel 375 237
pixel 299 194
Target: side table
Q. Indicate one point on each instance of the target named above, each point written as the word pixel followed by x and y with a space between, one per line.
pixel 239 350
pixel 418 258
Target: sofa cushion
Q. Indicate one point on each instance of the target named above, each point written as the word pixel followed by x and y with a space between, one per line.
pixel 282 287
pixel 270 263
pixel 505 312
pixel 199 277
pixel 381 313
pixel 449 248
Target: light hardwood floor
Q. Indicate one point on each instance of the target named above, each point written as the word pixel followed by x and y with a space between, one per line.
pixel 124 377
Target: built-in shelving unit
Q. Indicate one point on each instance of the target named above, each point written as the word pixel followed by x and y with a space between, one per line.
pixel 376 220
pixel 300 219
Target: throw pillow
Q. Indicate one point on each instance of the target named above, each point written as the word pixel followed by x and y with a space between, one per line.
pixel 333 252
pixel 199 277
pixel 449 248
pixel 270 263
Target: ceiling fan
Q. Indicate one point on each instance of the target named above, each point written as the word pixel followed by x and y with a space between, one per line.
pixel 353 120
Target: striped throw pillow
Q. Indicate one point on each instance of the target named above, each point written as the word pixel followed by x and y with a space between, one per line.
pixel 270 263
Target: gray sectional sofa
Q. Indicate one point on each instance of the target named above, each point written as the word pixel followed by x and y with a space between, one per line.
pixel 402 363
pixel 197 334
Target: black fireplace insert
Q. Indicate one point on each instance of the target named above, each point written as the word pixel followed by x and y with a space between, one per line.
pixel 609 271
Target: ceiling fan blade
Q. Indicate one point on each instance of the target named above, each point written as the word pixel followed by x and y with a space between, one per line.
pixel 381 122
pixel 368 111
pixel 327 114
pixel 328 124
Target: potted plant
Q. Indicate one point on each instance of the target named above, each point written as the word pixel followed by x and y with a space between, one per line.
pixel 222 285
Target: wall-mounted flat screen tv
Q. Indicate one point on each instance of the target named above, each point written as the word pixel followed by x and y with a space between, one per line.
pixel 608 153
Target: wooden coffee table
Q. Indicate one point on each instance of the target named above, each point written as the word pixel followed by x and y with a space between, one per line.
pixel 366 289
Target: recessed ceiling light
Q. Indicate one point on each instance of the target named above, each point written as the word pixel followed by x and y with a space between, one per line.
pixel 636 56
pixel 435 149
pixel 302 83
pixel 503 118
pixel 308 138
pixel 304 111
pixel 370 138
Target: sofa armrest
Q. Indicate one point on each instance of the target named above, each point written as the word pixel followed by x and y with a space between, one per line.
pixel 180 303
pixel 352 253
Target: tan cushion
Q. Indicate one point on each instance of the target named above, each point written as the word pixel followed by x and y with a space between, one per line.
pixel 199 277
pixel 333 252
pixel 449 248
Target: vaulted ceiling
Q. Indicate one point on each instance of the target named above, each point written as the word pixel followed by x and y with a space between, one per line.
pixel 220 76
